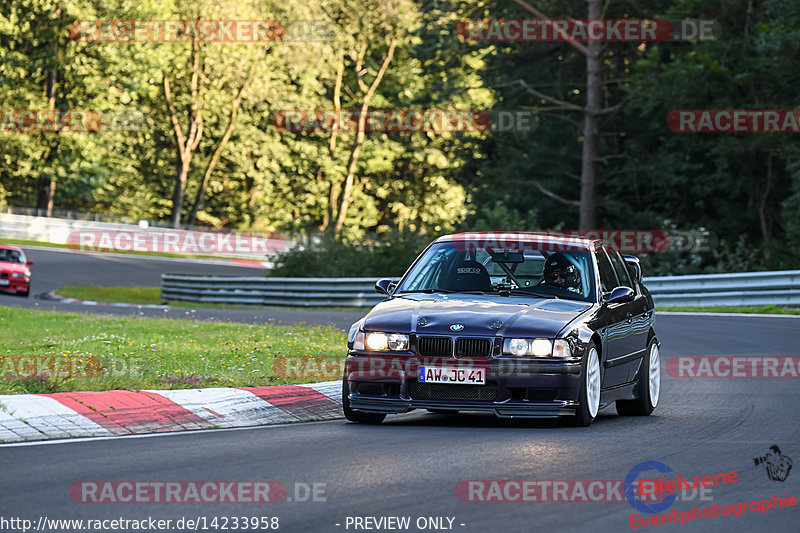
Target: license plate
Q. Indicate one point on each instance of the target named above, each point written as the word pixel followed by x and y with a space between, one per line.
pixel 452 375
pixel 4 282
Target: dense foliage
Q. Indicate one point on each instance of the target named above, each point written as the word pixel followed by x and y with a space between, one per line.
pixel 243 172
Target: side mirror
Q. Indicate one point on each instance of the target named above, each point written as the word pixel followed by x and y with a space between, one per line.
pixel 620 295
pixel 385 286
pixel 30 262
pixel 634 265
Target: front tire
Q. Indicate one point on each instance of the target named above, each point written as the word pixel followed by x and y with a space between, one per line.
pixel 648 386
pixel 357 416
pixel 589 396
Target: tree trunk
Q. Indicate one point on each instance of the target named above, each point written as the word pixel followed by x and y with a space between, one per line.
pixel 591 111
pixel 352 166
pixel 333 197
pixel 179 192
pixel 589 155
pixel 212 164
pixel 347 188
pixel 188 143
pixel 763 217
pixel 47 191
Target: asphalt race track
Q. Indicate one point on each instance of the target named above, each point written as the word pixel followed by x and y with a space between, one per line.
pixel 411 465
pixel 55 267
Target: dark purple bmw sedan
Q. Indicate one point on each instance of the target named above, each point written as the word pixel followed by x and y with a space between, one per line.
pixel 516 324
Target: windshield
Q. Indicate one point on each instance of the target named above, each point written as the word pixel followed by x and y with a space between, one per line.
pixel 550 273
pixel 11 256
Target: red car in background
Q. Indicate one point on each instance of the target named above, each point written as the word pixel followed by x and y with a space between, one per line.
pixel 14 272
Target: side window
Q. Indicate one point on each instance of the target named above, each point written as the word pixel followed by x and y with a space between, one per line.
pixel 608 280
pixel 428 275
pixel 620 268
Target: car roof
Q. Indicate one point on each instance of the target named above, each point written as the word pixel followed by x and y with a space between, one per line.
pixel 10 247
pixel 501 238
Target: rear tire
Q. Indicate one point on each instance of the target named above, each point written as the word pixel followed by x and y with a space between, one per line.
pixel 357 416
pixel 648 386
pixel 589 396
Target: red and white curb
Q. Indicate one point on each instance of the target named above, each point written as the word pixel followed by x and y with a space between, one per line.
pixel 27 417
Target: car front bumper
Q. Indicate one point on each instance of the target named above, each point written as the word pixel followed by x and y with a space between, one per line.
pixel 507 409
pixel 524 389
pixel 15 284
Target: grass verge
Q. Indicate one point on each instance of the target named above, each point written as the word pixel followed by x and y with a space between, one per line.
pixel 23 243
pixel 43 352
pixel 132 295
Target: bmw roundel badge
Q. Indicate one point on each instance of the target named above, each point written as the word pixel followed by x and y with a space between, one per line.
pixel 457 327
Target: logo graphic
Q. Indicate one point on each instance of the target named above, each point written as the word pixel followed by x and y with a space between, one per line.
pixel 630 495
pixel 457 327
pixel 778 466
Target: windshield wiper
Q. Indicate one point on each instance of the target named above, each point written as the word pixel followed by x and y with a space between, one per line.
pixel 522 292
pixel 428 291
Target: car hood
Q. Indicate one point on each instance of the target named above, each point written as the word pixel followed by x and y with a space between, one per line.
pixel 14 267
pixel 480 315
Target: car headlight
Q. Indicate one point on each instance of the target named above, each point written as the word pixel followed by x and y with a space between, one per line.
pixel 17 275
pixel 379 342
pixel 516 346
pixel 537 347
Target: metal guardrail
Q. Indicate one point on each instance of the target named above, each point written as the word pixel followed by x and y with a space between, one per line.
pixel 294 292
pixel 746 288
pixel 741 288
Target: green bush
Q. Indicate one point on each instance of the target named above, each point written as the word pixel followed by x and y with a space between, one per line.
pixel 323 256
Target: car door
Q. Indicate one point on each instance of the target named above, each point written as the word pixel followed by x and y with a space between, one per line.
pixel 614 325
pixel 637 316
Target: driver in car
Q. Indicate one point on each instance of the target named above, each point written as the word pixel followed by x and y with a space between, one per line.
pixel 559 272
